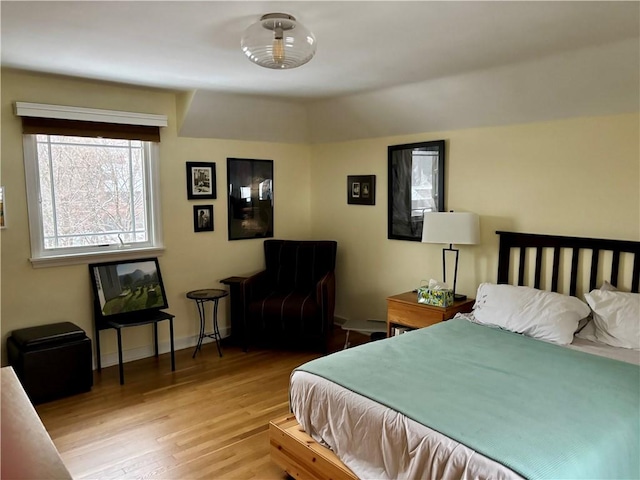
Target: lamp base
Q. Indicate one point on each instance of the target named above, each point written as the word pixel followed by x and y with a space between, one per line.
pixel 458 297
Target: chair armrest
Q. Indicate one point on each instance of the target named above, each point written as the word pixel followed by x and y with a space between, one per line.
pixel 254 287
pixel 326 298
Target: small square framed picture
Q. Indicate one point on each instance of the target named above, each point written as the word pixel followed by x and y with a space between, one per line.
pixel 201 180
pixel 203 218
pixel 361 189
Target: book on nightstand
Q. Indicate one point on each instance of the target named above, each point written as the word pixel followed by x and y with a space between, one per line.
pixel 400 330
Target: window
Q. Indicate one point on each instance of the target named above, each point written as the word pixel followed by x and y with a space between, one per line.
pixel 89 193
pixel 424 171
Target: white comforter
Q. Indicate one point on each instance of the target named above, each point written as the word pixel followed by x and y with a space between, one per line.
pixel 376 442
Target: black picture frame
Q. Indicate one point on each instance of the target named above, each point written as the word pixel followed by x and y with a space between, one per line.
pixel 201 181
pixel 250 192
pixel 409 201
pixel 361 189
pixel 203 218
pixel 115 283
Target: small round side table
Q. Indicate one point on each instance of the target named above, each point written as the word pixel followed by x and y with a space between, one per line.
pixel 201 297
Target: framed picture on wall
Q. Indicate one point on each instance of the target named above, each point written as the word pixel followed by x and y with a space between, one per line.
pixel 250 197
pixel 201 180
pixel 416 186
pixel 203 218
pixel 361 189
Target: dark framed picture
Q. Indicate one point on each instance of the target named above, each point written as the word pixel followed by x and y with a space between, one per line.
pixel 127 286
pixel 416 186
pixel 250 196
pixel 361 189
pixel 203 218
pixel 201 180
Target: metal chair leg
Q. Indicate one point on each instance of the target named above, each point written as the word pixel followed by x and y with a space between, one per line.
pixel 120 366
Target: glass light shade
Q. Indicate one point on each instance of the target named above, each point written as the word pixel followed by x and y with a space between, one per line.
pixel 278 41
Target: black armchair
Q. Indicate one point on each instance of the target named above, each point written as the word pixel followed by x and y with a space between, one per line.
pixel 293 299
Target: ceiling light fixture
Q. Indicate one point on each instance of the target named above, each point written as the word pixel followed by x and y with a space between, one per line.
pixel 278 41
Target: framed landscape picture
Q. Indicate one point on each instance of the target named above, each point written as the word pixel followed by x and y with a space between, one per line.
pixel 361 189
pixel 127 286
pixel 201 180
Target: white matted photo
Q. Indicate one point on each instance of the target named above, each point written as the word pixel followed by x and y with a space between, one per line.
pixel 201 180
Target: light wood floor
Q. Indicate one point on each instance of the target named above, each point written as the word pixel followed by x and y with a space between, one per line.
pixel 208 419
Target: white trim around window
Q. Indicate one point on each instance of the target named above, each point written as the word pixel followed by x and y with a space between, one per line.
pixel 41 257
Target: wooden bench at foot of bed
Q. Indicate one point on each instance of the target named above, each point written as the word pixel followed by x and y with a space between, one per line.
pixel 301 456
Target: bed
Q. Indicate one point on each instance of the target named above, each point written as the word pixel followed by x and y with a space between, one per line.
pixel 464 399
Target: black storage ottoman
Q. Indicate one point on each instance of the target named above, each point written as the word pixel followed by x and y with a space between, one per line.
pixel 51 361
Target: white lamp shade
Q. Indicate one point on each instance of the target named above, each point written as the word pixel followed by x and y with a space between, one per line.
pixel 278 41
pixel 451 227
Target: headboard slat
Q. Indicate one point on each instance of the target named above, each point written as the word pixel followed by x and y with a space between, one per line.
pixel 504 258
pixel 538 267
pixel 523 254
pixel 556 269
pixel 522 241
pixel 615 268
pixel 574 271
pixel 595 258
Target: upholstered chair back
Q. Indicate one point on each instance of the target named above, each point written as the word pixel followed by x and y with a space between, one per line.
pixel 298 265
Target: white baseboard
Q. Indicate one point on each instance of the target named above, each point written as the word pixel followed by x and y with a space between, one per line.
pixel 132 354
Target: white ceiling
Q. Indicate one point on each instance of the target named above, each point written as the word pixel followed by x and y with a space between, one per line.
pixel 366 51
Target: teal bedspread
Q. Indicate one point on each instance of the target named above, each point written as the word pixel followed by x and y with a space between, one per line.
pixel 542 410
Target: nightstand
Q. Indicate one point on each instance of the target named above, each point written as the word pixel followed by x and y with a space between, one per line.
pixel 403 310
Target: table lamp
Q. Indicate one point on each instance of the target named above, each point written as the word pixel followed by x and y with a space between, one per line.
pixel 451 228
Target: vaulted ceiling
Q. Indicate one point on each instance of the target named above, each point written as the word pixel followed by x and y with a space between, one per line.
pixel 381 68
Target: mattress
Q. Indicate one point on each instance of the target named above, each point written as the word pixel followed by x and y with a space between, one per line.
pixel 377 442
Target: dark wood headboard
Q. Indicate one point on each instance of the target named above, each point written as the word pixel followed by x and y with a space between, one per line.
pixel 576 245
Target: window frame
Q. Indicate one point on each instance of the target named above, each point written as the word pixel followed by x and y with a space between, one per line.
pixel 41 257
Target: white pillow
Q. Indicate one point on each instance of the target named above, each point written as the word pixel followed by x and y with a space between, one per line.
pixel 607 286
pixel 587 328
pixel 617 317
pixel 548 316
pixel 588 332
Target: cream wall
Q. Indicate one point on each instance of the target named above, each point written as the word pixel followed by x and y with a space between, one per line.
pixel 571 177
pixel 577 177
pixel 191 260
